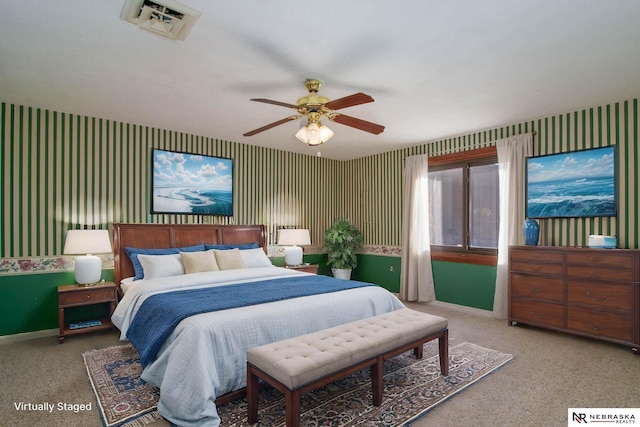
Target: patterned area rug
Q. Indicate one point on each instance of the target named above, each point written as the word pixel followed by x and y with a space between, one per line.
pixel 412 388
pixel 124 399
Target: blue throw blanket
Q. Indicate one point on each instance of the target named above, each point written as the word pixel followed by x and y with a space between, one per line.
pixel 159 314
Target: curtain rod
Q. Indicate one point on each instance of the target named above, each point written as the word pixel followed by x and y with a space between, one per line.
pixel 477 145
pixel 483 144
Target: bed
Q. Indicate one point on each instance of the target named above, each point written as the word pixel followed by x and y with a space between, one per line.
pixel 200 361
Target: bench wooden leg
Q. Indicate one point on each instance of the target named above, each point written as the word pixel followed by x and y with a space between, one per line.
pixel 417 352
pixel 377 381
pixel 443 348
pixel 292 410
pixel 252 396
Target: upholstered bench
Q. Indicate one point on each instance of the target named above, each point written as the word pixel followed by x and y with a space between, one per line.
pixel 298 365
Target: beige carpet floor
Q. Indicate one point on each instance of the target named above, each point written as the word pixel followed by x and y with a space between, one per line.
pixel 550 373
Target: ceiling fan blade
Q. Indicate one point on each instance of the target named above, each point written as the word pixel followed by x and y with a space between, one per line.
pixel 357 123
pixel 270 125
pixel 349 101
pixel 269 101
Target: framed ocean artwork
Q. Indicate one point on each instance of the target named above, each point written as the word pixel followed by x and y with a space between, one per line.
pixel 572 184
pixel 189 183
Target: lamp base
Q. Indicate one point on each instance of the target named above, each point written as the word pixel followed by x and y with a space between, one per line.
pixel 293 255
pixel 88 269
pixel 87 285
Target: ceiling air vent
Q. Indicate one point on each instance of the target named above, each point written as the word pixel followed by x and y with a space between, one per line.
pixel 164 17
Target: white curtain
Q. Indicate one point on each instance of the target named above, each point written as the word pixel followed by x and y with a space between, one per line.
pixel 512 153
pixel 416 282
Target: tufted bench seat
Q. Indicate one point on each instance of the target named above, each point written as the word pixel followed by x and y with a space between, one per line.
pixel 298 365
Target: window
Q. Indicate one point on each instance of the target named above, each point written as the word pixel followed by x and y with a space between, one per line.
pixel 464 203
pixel 484 206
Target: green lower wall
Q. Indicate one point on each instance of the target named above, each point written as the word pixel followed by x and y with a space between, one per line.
pixel 456 283
pixel 465 284
pixel 462 284
pixel 381 270
pixel 29 302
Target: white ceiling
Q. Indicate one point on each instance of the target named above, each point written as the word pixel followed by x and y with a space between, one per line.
pixel 436 69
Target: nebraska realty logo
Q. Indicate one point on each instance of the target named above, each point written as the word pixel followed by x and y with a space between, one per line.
pixel 581 416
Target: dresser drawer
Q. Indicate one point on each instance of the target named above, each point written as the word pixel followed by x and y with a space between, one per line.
pixel 617 275
pixel 616 297
pixel 537 312
pixel 545 288
pixel 599 258
pixel 600 323
pixel 533 268
pixel 86 296
pixel 536 256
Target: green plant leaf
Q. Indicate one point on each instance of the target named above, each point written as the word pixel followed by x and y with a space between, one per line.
pixel 341 241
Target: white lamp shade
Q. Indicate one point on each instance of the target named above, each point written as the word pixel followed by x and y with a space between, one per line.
pixel 314 134
pixel 293 236
pixel 81 242
pixel 88 268
pixel 302 135
pixel 325 134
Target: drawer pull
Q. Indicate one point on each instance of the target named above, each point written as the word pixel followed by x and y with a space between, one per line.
pixel 600 299
pixel 535 291
pixel 89 296
pixel 535 268
pixel 595 274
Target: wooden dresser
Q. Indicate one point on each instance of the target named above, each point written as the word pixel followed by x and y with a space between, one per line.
pixel 583 291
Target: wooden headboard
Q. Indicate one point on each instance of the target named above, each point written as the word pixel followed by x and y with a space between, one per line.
pixel 176 236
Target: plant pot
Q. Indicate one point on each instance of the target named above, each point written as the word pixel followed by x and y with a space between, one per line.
pixel 341 273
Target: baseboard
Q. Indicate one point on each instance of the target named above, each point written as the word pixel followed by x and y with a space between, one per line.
pixel 463 308
pixel 8 339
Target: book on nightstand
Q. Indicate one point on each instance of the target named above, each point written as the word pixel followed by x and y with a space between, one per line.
pixel 85 324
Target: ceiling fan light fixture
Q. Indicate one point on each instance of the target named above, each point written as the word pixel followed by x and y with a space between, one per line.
pixel 325 133
pixel 312 134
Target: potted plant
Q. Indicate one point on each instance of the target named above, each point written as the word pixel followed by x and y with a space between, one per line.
pixel 341 241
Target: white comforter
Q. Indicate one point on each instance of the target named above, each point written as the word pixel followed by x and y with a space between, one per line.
pixel 205 356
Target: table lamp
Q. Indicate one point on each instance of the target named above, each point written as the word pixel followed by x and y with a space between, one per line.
pixel 293 237
pixel 88 267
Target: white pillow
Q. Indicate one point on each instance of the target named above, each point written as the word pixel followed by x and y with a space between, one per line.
pixel 254 258
pixel 155 266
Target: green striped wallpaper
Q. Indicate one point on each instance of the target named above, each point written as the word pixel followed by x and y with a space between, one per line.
pixel 59 170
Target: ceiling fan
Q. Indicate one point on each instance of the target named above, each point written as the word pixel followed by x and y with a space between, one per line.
pixel 314 107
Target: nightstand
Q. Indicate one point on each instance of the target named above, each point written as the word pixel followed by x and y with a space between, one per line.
pixel 307 268
pixel 76 296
